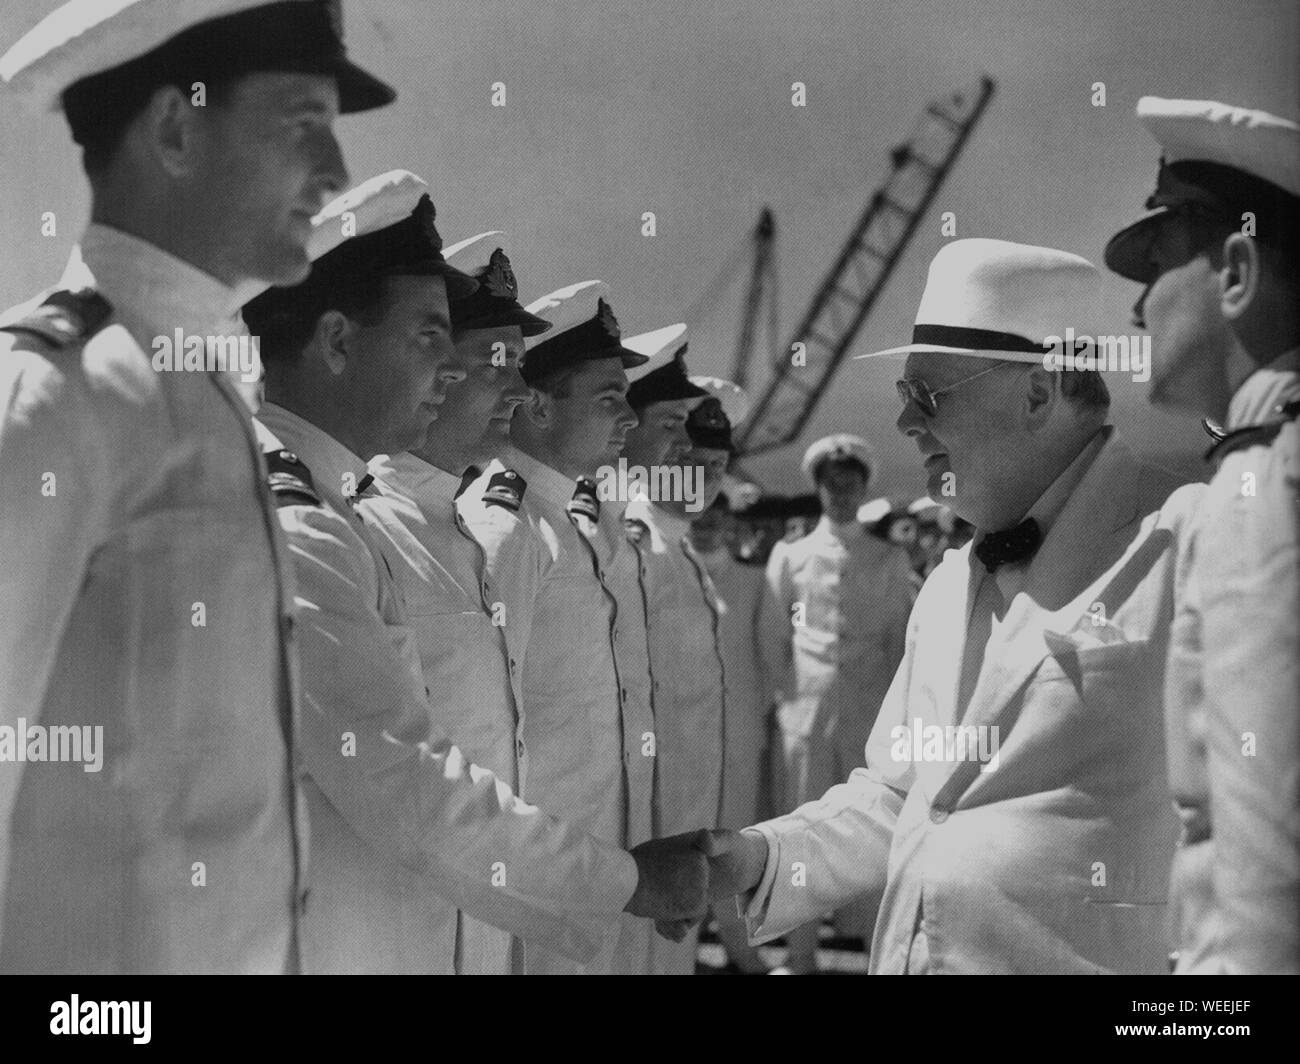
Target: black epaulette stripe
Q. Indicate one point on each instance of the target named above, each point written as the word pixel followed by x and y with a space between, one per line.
pixel 1253 434
pixel 65 318
pixel 290 480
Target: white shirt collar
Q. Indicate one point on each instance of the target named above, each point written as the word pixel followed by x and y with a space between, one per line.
pixel 1261 392
pixel 434 488
pixel 326 458
pixel 549 483
pixel 152 291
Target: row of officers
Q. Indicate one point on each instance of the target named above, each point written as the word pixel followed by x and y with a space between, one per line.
pixel 440 700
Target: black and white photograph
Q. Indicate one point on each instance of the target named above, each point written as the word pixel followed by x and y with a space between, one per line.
pixel 605 488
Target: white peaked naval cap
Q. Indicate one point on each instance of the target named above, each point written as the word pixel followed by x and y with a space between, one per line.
pixel 659 347
pixel 735 403
pixel 842 445
pixel 996 299
pixel 179 39
pixel 1218 161
pixel 1254 142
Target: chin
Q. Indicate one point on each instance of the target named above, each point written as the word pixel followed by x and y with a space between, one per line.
pixel 285 265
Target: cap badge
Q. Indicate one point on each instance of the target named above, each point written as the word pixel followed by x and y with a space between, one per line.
pixel 607 320
pixel 500 278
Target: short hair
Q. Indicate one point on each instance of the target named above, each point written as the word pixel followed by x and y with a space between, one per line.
pixel 101 132
pixel 1086 389
pixel 284 319
pixel 556 383
pixel 1277 243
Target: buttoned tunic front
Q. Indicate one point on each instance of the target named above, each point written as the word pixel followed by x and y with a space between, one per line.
pixel 405 825
pixel 144 590
pixel 740 589
pixel 472 683
pixel 583 651
pixel 833 622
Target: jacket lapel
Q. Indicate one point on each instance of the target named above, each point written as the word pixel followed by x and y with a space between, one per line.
pixel 1090 534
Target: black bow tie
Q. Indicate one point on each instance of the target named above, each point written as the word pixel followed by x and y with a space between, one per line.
pixel 1009 546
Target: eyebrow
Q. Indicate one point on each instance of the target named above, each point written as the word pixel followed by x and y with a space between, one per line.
pixel 442 321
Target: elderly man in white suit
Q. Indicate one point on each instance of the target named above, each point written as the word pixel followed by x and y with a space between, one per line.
pixel 1011 814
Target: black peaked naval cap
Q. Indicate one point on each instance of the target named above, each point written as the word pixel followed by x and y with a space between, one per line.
pixel 1209 189
pixel 409 247
pixel 293 36
pixel 495 303
pixel 708 426
pixel 592 337
pixel 668 382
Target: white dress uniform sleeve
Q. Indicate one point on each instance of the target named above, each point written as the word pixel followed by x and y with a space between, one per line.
pixel 836 849
pixel 412 794
pixel 1248 575
pixel 56 495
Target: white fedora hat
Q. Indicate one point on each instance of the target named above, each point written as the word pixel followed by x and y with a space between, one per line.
pixel 996 299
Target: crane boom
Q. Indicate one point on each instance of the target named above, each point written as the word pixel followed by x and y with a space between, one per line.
pixel 858 276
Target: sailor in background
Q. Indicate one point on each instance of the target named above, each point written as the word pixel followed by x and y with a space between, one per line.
pixel 467 646
pixel 144 585
pixel 833 623
pixel 1221 268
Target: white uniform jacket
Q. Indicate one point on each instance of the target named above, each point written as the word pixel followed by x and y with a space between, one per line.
pixel 1233 701
pixel 739 588
pixel 439 569
pixel 686 660
pixel 832 627
pixel 144 591
pixel 546 571
pixel 403 823
pixel 1057 859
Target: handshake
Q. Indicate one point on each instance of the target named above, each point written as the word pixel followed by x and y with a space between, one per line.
pixel 678 876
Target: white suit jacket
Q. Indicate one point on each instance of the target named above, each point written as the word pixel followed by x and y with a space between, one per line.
pixel 1057 860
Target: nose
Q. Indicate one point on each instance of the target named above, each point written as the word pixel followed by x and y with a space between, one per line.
pixel 910 421
pixel 333 171
pixel 627 418
pixel 516 391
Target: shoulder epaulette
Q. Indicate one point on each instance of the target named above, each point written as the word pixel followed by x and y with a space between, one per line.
pixel 1251 435
pixel 505 489
pixel 65 318
pixel 585 501
pixel 289 480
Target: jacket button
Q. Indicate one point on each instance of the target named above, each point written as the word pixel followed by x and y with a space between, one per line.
pixel 519 748
pixel 938 815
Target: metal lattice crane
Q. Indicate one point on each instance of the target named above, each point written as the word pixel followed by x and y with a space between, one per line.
pixel 858 276
pixel 762 283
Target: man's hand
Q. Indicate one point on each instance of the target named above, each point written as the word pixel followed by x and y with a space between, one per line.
pixel 672 879
pixel 736 861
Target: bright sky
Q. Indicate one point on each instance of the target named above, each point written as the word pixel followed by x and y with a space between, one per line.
pixel 683 108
